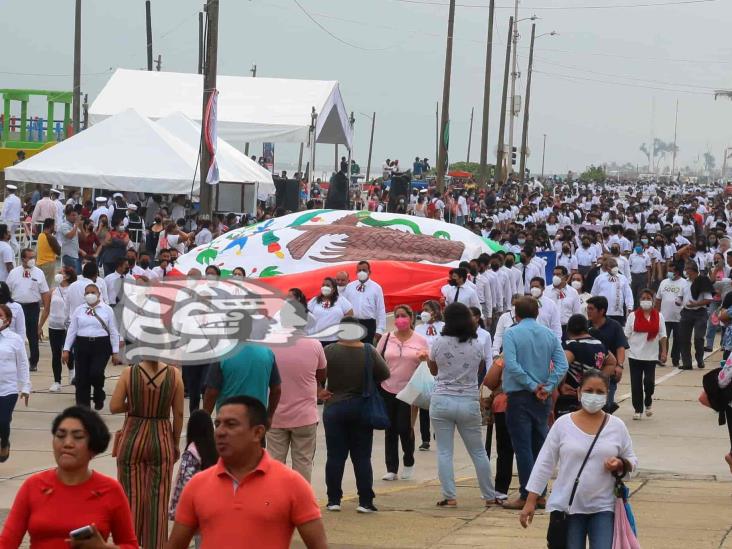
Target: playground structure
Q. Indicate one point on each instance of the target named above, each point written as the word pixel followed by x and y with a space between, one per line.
pixel 33 134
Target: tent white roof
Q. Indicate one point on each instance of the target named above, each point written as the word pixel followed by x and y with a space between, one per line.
pixel 249 109
pixel 128 152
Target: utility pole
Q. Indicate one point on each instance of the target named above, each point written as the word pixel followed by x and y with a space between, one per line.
pixel 209 85
pixel 676 127
pixel 335 159
pixel 159 63
pixel 437 131
pixel 200 42
pixel 299 160
pixel 371 147
pixel 525 134
pixel 487 96
pixel 500 172
pixel 148 24
pixel 85 111
pixel 514 76
pixel 470 133
pixel 253 70
pixel 543 157
pixel 442 158
pixel 76 111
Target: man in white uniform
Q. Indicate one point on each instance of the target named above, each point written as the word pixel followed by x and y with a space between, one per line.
pixel 11 214
pixel 614 287
pixel 565 297
pixel 458 291
pixel 669 300
pixel 367 299
pixel 548 310
pixel 100 211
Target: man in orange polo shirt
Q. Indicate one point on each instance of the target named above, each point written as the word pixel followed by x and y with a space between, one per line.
pixel 247 499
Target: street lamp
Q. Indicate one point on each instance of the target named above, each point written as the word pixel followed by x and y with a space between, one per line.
pixel 525 136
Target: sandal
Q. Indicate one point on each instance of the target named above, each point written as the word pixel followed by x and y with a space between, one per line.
pixel 494 502
pixel 447 503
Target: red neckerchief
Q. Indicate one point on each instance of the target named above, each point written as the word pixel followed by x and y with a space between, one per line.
pixel 651 326
pixel 325 304
pixel 431 330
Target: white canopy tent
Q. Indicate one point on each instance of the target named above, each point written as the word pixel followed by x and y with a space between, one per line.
pixel 128 152
pixel 249 109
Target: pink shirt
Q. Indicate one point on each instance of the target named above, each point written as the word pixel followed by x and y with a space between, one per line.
pixel 401 358
pixel 297 364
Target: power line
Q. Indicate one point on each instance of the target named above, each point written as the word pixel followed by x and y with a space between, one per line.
pixel 110 69
pixel 588 7
pixel 585 79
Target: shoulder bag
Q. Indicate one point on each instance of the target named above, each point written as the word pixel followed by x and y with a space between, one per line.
pixel 373 413
pixel 556 535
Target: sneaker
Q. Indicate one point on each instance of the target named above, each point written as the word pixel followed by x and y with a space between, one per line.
pixel 99 405
pixel 333 507
pixel 33 367
pixel 700 366
pixel 55 387
pixel 72 376
pixel 649 412
pixel 407 473
pixel 424 447
pixel 366 508
pixel 637 416
pixel 389 476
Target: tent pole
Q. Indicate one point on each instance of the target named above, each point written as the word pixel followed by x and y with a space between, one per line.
pixel 313 121
pixel 351 122
pixel 299 160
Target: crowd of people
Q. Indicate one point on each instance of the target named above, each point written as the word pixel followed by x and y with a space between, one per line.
pixel 530 340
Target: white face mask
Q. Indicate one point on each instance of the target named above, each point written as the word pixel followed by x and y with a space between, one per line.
pixel 341 289
pixel 59 278
pixel 536 292
pixel 31 263
pixel 646 305
pixel 556 281
pixel 90 298
pixel 425 317
pixel 577 285
pixel 362 276
pixel 614 271
pixel 593 403
pixel 326 290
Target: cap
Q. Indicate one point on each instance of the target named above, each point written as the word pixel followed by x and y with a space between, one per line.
pixel 132 207
pixel 56 191
pixel 11 187
pixel 117 195
pixel 101 199
pixel 70 202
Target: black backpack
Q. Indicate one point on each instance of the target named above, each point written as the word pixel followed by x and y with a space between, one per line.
pixel 719 398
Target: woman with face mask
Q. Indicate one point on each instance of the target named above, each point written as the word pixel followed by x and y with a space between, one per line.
pixel 585 495
pixel 57 322
pixel 94 337
pixel 430 327
pixel 14 377
pixel 403 350
pixel 577 281
pixel 327 309
pixel 645 330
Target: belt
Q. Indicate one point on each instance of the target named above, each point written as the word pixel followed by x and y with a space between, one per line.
pixel 92 339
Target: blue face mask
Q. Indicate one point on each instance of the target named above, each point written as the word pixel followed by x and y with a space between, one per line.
pixel 638 249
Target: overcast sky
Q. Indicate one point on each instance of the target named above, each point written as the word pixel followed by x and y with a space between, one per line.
pixel 592 89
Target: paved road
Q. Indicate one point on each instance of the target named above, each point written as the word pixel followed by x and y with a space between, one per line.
pixel 683 497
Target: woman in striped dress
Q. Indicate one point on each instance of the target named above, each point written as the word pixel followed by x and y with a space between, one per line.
pixel 148 444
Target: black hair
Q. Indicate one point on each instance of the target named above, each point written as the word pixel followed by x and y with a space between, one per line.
pixel 461 272
pixel 215 269
pixel 5 295
pixel 599 302
pixel 364 262
pixel 476 313
pixel 93 424
pixel 300 296
pixel 48 223
pixel 122 261
pixel 540 280
pixel 201 432
pixel 595 374
pixel 3 231
pixel 334 293
pixel 90 269
pixel 562 269
pixel 459 322
pixel 256 412
pixel 434 307
pixel 24 252
pixel 577 324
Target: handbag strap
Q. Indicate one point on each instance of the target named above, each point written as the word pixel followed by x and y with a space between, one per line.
pixel 386 342
pixel 104 324
pixel 587 457
pixel 368 376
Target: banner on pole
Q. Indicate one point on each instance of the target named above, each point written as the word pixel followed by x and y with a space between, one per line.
pixel 268 152
pixel 211 137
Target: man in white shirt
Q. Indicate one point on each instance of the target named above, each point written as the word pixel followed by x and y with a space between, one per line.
pixel 75 293
pixel 565 297
pixel 439 206
pixel 45 208
pixel 58 203
pixel 7 256
pixel 530 269
pixel 204 235
pixel 616 289
pixel 669 300
pixel 164 265
pixel 485 286
pixel 462 212
pixel 367 299
pixel 458 291
pixel 639 263
pixel 29 288
pixel 11 213
pixel 178 210
pixel 548 311
pixel 115 281
pixel 100 211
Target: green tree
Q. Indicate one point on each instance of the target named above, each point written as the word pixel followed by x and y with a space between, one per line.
pixel 593 173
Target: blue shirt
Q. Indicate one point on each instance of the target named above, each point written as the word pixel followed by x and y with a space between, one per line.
pixel 528 352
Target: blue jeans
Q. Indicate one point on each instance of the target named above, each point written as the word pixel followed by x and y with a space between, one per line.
pixel 526 419
pixel 7 405
pixel 712 330
pixel 75 262
pixel 598 527
pixel 447 413
pixel 345 434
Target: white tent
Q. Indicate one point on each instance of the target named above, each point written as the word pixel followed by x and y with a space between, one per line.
pixel 128 152
pixel 249 109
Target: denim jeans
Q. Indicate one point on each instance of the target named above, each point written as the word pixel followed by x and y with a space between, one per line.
pixel 447 413
pixel 345 434
pixel 712 330
pixel 693 322
pixel 7 405
pixel 75 262
pixel 526 419
pixel 672 333
pixel 598 527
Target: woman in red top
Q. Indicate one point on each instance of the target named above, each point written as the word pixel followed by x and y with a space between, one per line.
pixel 88 241
pixel 52 503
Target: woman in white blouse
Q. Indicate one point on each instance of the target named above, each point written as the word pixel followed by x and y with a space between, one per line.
pixel 577 281
pixel 17 324
pixel 430 329
pixel 14 377
pixel 57 323
pixel 327 310
pixel 591 510
pixel 94 337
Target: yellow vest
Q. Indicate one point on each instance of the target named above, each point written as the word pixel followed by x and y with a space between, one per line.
pixel 44 252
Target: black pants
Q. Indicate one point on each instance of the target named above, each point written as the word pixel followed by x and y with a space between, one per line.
pixel 728 416
pixel 56 339
pixel 642 383
pixel 92 355
pixel 370 325
pixel 693 321
pixel 638 282
pixel 194 377
pixel 504 460
pixel 7 405
pixel 400 430
pixel 672 328
pixel 31 312
pixel 424 425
